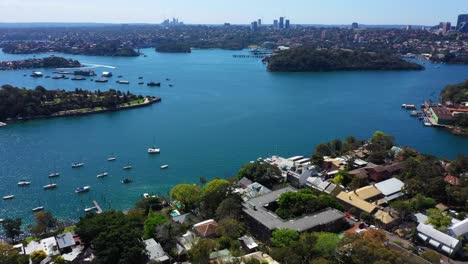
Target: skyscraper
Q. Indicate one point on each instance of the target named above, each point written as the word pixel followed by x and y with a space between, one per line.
pixel 462 23
pixel 281 22
pixel 259 22
pixel 354 25
pixel 445 27
pixel 275 23
pixel 287 24
pixel 254 26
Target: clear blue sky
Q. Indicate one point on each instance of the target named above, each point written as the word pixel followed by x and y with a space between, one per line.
pixel 425 12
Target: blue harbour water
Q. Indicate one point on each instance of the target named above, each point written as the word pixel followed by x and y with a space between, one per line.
pixel 221 113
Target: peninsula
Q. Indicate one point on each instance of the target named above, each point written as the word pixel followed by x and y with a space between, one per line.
pixel 173 48
pixel 49 62
pixel 21 104
pixel 307 59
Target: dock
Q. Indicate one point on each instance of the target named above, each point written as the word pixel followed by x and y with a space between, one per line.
pixel 98 208
pixel 249 56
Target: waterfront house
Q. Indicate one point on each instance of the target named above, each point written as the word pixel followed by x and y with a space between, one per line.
pixel 438 240
pixel 244 182
pixel 65 242
pixel 156 252
pixel 206 229
pixel 262 221
pixel 322 185
pixel 298 177
pixel 377 173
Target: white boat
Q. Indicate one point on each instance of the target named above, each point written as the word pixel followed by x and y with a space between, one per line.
pixel 154 150
pixel 37 209
pixel 164 166
pixel 8 197
pixel 82 189
pixel 111 158
pixel 104 174
pixel 24 183
pixel 128 167
pixel 123 82
pixel 106 74
pixel 90 209
pixel 54 174
pixel 77 165
pixel 50 186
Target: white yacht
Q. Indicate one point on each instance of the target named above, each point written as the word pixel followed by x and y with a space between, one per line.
pixel 8 197
pixel 50 186
pixel 54 174
pixel 82 189
pixel 154 150
pixel 24 183
pixel 164 166
pixel 128 167
pixel 37 209
pixel 77 165
pixel 111 158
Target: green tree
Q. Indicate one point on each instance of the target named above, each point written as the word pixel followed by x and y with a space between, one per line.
pixel 213 193
pixel 12 227
pixel 326 244
pixel 200 252
pixel 431 256
pixel 188 194
pixel 231 228
pixel 402 207
pixel 154 219
pixel 261 172
pixel 147 204
pixel 38 256
pixel 438 219
pixel 284 237
pixel 342 177
pixel 9 255
pixel 231 207
pixel 45 222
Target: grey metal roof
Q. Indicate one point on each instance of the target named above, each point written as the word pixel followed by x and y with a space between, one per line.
pixel 460 228
pixel 183 218
pixel 439 237
pixel 255 208
pixel 390 186
pixel 156 252
pixel 65 240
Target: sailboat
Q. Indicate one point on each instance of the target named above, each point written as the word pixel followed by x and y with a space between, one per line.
pixel 50 186
pixel 100 175
pixel 153 149
pixel 55 173
pixel 128 167
pixel 38 208
pixel 112 158
pixel 24 182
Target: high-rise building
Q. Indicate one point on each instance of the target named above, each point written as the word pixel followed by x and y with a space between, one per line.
pixel 281 22
pixel 259 22
pixel 323 35
pixel 287 24
pixel 408 27
pixel 275 23
pixel 445 27
pixel 354 25
pixel 254 26
pixel 462 23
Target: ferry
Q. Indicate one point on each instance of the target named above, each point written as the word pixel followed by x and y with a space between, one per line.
pixel 77 165
pixel 151 84
pixel 24 183
pixel 104 174
pixel 164 166
pixel 126 181
pixel 82 189
pixel 50 186
pixel 53 175
pixel 37 209
pixel 123 82
pixel 8 197
pixel 111 158
pixel 106 74
pixel 101 80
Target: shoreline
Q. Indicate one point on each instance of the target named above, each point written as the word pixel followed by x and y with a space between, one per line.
pixel 70 113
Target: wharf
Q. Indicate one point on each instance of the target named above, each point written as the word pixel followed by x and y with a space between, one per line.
pixel 249 56
pixel 98 208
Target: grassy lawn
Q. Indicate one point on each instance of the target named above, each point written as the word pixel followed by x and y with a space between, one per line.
pixel 69 229
pixel 134 102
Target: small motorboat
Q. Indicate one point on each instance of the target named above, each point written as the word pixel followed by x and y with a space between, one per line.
pixel 128 167
pixel 123 82
pixel 126 181
pixel 37 209
pixel 8 197
pixel 78 78
pixel 77 165
pixel 100 175
pixel 164 166
pixel 152 84
pixel 82 189
pixel 24 183
pixel 102 80
pixel 111 158
pixel 141 83
pixel 50 186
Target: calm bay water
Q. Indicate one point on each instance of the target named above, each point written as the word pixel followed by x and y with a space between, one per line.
pixel 221 113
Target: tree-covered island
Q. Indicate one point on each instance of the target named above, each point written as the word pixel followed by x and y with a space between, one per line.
pixel 22 104
pixel 49 62
pixel 307 59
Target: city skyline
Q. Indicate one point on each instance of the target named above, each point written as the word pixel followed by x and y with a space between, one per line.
pixel 331 12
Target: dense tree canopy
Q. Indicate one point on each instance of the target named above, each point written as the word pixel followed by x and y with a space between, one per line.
pixel 304 59
pixel 260 172
pixel 12 227
pixel 284 237
pixel 296 204
pixel 455 93
pixel 188 194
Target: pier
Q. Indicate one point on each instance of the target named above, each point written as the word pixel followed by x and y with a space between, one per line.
pixel 98 208
pixel 249 56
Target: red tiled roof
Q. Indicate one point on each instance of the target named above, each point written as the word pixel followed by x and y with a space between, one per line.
pixel 452 180
pixel 207 228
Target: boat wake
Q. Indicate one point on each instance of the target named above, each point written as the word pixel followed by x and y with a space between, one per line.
pixel 90 66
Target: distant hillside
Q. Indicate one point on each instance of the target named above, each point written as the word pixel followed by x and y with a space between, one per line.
pixel 305 59
pixel 456 93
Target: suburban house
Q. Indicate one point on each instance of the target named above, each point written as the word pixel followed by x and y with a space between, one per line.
pixel 186 219
pixel 297 177
pixel 262 221
pixel 206 228
pixel 366 199
pixel 156 252
pixel 244 182
pixel 320 184
pixel 391 189
pixel 252 190
pixel 185 242
pixel 248 243
pixel 65 242
pixel 438 240
pixel 377 173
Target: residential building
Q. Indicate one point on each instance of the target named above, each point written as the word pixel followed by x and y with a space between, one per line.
pixel 391 188
pixel 49 245
pixel 298 177
pixel 459 229
pixel 186 241
pixel 248 243
pixel 275 23
pixel 156 252
pixel 254 26
pixel 221 256
pixel 445 27
pixel 438 240
pixel 262 221
pixel 259 256
pixel 206 228
pixel 322 185
pixel 253 190
pixel 377 173
pixel 281 22
pixel 65 242
pixel 244 182
pixel 186 219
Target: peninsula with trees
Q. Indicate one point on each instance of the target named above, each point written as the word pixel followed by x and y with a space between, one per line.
pixel 308 59
pixel 49 62
pixel 174 48
pixel 19 104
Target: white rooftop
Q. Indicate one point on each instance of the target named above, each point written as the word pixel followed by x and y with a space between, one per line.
pixel 390 186
pixel 155 250
pixel 437 238
pixel 459 229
